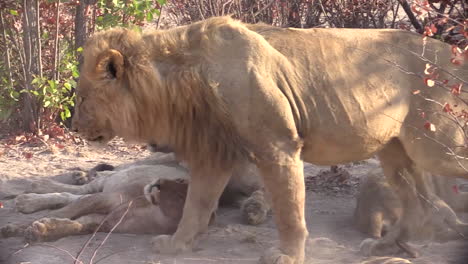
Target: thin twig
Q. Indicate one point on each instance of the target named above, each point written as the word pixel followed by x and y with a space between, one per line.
pixel 440 14
pixel 85 245
pixel 158 24
pixel 430 203
pixel 110 232
pixel 39 46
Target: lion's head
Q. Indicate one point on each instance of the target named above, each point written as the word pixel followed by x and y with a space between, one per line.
pixel 115 62
pixel 153 87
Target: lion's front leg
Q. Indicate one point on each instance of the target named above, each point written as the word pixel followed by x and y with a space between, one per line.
pixel 202 199
pixel 286 186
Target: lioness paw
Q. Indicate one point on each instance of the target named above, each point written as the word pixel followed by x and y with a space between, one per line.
pixel 165 244
pixel 275 256
pixel 36 232
pixel 386 260
pixel 254 210
pixel 11 230
pixel 80 177
pixel 166 189
pixel 50 229
pixel 27 203
pixel 380 247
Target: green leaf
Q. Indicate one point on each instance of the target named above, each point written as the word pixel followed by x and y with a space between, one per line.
pixel 14 95
pixel 141 7
pixel 162 2
pixel 53 85
pixel 67 86
pixel 80 49
pixel 72 82
pixel 14 12
pixel 62 116
pixel 75 73
pixel 149 16
pixel 46 103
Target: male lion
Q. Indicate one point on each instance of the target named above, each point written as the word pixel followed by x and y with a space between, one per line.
pixel 220 92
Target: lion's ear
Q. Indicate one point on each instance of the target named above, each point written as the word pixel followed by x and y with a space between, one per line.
pixel 110 64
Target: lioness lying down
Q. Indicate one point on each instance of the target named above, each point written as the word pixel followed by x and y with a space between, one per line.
pixel 378 208
pixel 156 186
pixel 220 92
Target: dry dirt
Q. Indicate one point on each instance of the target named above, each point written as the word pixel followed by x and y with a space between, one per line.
pixel 333 239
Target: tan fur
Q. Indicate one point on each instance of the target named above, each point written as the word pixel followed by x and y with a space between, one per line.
pixel 378 208
pixel 220 92
pixel 154 210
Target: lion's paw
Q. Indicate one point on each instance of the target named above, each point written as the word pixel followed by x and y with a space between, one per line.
pixel 80 177
pixel 172 189
pixel 36 232
pixel 254 210
pixel 367 246
pixel 386 260
pixel 165 244
pixel 50 229
pixel 26 203
pixel 151 192
pixel 11 230
pixel 40 186
pixel 275 256
pixel 377 247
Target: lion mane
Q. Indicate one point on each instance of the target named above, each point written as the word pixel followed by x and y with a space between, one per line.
pixel 185 110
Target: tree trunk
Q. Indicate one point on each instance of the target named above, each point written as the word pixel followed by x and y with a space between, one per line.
pixel 7 50
pixel 81 24
pixel 28 111
pixel 55 73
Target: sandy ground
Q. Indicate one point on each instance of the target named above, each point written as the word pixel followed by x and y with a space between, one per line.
pixel 333 238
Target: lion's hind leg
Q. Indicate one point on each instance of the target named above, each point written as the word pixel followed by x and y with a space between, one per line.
pixel 33 202
pixel 444 217
pixel 409 186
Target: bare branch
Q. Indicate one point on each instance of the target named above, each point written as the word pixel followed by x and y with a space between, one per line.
pixel 410 14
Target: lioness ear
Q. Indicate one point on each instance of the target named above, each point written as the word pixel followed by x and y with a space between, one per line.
pixel 110 64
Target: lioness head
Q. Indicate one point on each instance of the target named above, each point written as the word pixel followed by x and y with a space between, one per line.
pixel 106 98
